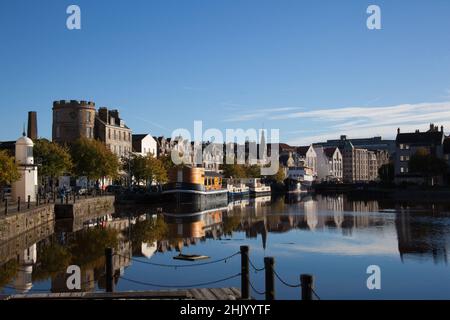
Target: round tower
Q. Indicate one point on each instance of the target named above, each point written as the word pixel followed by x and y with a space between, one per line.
pixel 73 119
pixel 26 186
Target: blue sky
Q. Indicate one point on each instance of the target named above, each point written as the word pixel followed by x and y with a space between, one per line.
pixel 310 68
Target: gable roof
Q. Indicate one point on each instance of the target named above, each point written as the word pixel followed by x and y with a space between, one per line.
pixel 329 152
pixel 302 150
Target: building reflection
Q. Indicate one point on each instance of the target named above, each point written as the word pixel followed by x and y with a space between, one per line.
pixel 422 232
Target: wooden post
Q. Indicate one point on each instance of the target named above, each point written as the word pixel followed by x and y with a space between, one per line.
pixel 28 202
pixel 6 206
pixel 245 270
pixel 18 203
pixel 38 200
pixel 269 264
pixel 307 282
pixel 109 270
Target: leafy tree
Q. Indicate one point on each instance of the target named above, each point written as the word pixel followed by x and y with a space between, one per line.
pixel 54 160
pixel 146 169
pixel 387 173
pixel 93 159
pixel 280 176
pixel 9 171
pixel 237 171
pixel 427 164
pixel 155 170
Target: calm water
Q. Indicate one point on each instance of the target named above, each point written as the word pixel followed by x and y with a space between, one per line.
pixel 333 238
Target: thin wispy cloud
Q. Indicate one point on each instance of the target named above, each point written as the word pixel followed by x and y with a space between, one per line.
pixel 321 124
pixel 359 122
pixel 265 113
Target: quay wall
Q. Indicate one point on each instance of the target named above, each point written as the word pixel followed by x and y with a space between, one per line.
pixel 85 208
pixel 14 224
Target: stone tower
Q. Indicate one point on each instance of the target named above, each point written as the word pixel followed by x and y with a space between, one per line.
pixel 73 120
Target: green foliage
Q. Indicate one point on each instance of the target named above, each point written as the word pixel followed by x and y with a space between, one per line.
pixel 93 159
pixel 146 169
pixel 387 173
pixel 427 164
pixel 9 171
pixel 54 159
pixel 239 171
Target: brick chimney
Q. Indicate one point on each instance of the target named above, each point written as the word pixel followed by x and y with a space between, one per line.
pixel 32 125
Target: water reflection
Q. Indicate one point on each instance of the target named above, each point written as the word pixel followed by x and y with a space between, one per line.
pixel 307 224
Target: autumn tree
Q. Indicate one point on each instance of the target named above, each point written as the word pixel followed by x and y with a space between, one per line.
pixel 93 159
pixel 54 160
pixel 9 171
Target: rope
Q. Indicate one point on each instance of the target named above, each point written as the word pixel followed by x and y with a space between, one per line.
pixel 254 289
pixel 181 265
pixel 285 283
pixel 180 286
pixel 254 267
pixel 317 296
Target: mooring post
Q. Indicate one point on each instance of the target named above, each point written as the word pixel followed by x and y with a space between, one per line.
pixel 18 203
pixel 307 282
pixel 28 202
pixel 245 278
pixel 109 269
pixel 6 206
pixel 269 264
pixel 38 200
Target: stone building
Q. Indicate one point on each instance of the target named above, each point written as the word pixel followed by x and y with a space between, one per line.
pixel 112 131
pixel 407 144
pixel 72 120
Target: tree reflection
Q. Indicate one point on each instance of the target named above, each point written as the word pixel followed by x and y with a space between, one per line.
pixel 7 272
pixel 148 231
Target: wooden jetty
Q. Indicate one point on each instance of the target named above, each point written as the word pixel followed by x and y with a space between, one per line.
pixel 190 294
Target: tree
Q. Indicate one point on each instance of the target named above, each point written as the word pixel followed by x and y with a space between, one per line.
pixel 427 165
pixel 93 159
pixel 54 160
pixel 146 169
pixel 136 165
pixel 387 173
pixel 9 171
pixel 155 170
pixel 280 176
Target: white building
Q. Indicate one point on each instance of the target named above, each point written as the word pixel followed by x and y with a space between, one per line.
pixel 144 144
pixel 28 182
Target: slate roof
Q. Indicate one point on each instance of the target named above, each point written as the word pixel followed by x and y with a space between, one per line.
pixel 421 138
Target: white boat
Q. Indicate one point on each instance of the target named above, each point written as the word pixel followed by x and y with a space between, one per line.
pixel 299 179
pixel 257 187
pixel 237 188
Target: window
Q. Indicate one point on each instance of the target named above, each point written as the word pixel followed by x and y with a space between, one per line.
pixel 109 134
pixel 402 146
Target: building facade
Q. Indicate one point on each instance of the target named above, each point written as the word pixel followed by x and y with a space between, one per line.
pixel 144 145
pixel 407 144
pixel 113 132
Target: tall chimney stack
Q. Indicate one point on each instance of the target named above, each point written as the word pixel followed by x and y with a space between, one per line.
pixel 32 125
